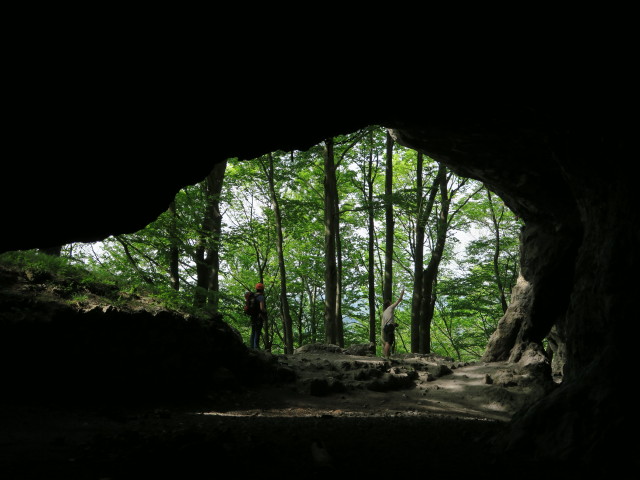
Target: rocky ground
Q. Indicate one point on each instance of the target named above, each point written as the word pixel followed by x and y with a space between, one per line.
pixel 327 412
pixel 340 413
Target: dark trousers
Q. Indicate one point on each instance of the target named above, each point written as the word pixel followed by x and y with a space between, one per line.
pixel 256 328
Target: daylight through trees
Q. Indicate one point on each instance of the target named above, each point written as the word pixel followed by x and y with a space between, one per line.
pixel 332 232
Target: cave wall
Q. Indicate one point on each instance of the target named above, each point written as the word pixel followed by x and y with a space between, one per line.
pixel 579 252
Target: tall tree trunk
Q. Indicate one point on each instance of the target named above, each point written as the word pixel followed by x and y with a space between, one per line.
pixel 339 325
pixel 312 295
pixel 174 251
pixel 496 254
pixel 430 273
pixel 203 268
pixel 330 221
pixel 206 251
pixel 287 324
pixel 300 315
pixel 425 206
pixel 387 287
pixel 217 182
pixel 268 333
pixel 418 257
pixel 371 279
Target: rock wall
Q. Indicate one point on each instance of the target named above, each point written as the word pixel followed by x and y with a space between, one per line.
pixel 579 249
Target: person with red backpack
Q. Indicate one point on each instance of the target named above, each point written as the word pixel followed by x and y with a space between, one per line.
pixel 256 308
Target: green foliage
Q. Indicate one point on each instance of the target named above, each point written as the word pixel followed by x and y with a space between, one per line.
pixel 468 307
pixel 468 303
pixel 37 263
pixel 466 316
pixel 73 282
pixel 40 263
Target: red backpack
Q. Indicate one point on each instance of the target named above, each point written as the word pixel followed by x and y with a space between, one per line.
pixel 251 305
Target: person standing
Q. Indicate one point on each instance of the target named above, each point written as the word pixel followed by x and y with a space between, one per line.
pixel 389 325
pixel 258 317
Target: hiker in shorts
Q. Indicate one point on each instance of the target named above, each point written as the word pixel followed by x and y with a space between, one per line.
pixel 389 325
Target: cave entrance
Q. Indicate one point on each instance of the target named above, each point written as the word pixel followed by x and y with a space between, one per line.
pixel 211 245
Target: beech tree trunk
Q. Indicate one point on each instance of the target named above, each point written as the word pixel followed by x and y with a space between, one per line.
pixel 387 283
pixel 430 273
pixel 206 251
pixel 312 295
pixel 425 206
pixel 338 320
pixel 371 278
pixel 330 229
pixel 287 324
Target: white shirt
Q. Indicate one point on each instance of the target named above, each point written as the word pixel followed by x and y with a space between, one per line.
pixel 387 315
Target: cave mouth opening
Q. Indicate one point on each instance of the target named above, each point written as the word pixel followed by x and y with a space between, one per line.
pixel 462 240
pixel 438 154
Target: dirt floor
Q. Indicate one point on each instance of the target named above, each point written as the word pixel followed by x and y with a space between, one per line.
pixel 431 423
pixel 443 426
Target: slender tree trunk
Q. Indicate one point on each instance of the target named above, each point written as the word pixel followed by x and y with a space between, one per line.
pixel 387 287
pixel 217 182
pixel 174 251
pixel 371 279
pixel 425 206
pixel 418 257
pixel 339 325
pixel 431 307
pixel 300 319
pixel 287 324
pixel 330 221
pixel 206 251
pixel 430 273
pixel 312 295
pixel 203 266
pixel 267 334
